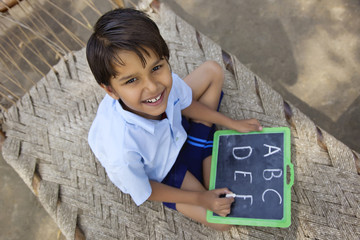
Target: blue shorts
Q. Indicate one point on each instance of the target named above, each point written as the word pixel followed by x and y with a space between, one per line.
pixel 197 147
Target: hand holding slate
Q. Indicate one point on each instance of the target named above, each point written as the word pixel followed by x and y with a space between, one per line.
pixel 246 125
pixel 211 200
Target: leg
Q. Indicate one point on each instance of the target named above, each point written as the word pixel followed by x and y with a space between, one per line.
pixel 196 213
pixel 206 83
pixel 206 171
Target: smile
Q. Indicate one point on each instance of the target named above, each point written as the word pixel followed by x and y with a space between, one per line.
pixel 153 100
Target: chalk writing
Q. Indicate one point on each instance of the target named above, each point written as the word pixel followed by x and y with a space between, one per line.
pixel 244 173
pixel 271 190
pixel 268 174
pixel 245 197
pixel 251 167
pixel 277 149
pixel 241 148
pixel 272 173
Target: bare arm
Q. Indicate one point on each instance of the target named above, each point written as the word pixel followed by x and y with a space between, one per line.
pixel 201 112
pixel 208 199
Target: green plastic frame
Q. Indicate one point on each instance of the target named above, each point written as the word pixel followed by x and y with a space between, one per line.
pixel 286 220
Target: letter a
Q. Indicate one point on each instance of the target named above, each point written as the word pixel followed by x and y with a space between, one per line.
pixel 277 149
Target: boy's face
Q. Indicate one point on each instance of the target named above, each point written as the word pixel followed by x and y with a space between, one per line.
pixel 143 90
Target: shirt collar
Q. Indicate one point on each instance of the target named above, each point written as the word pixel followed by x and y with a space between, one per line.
pixel 134 119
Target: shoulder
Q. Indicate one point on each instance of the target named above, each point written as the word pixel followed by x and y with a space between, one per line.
pixel 105 113
pixel 182 90
pixel 177 80
pixel 101 138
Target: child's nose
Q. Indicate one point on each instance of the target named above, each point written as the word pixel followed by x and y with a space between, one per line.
pixel 151 85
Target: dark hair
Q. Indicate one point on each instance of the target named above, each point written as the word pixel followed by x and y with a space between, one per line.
pixel 121 29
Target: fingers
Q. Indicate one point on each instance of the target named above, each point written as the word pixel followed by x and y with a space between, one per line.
pixel 256 127
pixel 221 191
pixel 223 210
pixel 224 213
pixel 223 205
pixel 253 125
pixel 246 125
pixel 224 191
pixel 256 124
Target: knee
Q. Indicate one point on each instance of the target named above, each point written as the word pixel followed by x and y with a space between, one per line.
pixel 216 71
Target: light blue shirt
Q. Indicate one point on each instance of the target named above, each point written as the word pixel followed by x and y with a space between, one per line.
pixel 133 149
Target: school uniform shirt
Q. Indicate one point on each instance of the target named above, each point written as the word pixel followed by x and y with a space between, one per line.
pixel 133 149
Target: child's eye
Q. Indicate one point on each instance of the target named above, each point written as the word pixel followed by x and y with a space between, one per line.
pixel 156 68
pixel 131 80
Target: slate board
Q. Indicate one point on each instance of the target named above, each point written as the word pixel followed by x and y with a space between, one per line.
pixel 255 167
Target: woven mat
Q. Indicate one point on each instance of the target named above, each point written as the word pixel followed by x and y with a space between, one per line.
pixel 47 145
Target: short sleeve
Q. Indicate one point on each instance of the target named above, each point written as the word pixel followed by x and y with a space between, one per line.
pixel 131 178
pixel 183 91
pixel 118 152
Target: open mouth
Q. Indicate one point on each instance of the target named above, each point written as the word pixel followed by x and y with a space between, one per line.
pixel 155 100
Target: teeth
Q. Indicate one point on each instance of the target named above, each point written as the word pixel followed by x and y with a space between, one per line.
pixel 154 99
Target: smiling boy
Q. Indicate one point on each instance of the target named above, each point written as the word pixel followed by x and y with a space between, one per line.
pixel 153 131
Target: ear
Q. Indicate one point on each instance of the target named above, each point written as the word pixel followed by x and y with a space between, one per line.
pixel 109 90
